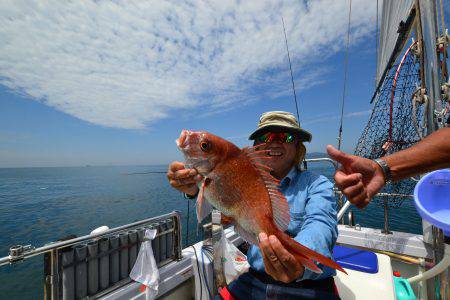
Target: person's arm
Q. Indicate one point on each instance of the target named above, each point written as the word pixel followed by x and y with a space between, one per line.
pixel 432 153
pixel 360 178
pixel 319 229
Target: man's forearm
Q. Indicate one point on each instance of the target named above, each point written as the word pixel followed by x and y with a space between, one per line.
pixel 431 153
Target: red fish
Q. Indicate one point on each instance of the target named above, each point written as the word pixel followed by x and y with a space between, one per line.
pixel 237 183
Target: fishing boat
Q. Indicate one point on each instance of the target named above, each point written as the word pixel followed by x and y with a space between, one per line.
pixel 410 101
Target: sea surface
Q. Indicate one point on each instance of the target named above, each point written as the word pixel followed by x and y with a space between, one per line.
pixel 40 205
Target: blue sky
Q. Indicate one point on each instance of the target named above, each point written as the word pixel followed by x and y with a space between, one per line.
pixel 112 84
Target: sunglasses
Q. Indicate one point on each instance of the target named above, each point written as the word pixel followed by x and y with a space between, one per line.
pixel 269 137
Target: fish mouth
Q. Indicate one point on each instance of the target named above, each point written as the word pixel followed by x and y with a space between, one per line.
pixel 194 158
pixel 182 141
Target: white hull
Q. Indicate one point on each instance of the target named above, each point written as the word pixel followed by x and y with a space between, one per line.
pixel 177 278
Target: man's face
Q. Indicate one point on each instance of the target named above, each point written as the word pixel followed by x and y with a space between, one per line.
pixel 282 148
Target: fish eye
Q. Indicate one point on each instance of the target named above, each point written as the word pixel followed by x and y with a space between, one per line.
pixel 205 146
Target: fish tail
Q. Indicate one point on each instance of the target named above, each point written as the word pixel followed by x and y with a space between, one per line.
pixel 304 255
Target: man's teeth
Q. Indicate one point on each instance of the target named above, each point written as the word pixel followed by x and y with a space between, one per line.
pixel 275 153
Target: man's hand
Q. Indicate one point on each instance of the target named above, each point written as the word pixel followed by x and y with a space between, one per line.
pixel 279 263
pixel 358 178
pixel 184 180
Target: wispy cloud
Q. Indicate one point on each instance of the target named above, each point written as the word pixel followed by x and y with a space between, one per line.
pixel 333 117
pixel 127 64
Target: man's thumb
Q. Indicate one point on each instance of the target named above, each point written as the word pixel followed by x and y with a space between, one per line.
pixel 339 156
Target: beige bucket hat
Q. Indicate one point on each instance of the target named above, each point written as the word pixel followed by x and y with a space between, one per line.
pixel 280 120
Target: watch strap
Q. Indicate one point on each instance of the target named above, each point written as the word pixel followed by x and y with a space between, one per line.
pixel 385 168
pixel 189 196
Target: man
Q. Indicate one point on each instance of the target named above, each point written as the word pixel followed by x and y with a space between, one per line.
pixel 274 271
pixel 360 178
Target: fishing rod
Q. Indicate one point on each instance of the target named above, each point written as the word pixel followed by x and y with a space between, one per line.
pixel 143 173
pixel 290 68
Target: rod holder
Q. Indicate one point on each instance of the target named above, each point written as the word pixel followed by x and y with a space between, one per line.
pixel 123 255
pixel 114 266
pixel 92 248
pixel 81 283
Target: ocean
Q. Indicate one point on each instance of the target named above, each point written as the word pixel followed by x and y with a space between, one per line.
pixel 40 205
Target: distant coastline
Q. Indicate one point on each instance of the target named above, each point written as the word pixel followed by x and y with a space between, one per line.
pixel 163 165
pixel 316 155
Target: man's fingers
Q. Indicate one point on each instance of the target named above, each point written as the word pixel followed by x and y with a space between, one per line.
pixel 181 184
pixel 287 260
pixel 182 173
pixel 339 156
pixel 175 166
pixel 344 180
pixel 360 201
pixel 271 260
pixel 354 190
pixel 187 175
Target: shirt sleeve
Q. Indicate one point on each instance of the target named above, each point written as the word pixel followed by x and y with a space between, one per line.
pixel 319 230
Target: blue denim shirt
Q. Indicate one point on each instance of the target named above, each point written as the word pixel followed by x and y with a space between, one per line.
pixel 313 218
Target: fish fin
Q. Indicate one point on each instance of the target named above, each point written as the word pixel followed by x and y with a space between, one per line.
pixel 280 207
pixel 308 264
pixel 247 236
pixel 298 249
pixel 280 210
pixel 203 206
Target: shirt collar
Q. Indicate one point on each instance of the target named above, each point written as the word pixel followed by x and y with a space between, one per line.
pixel 292 173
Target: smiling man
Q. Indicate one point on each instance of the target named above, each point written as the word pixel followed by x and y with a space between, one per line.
pixel 274 272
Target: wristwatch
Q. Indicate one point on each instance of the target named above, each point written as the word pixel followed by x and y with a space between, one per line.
pixel 385 168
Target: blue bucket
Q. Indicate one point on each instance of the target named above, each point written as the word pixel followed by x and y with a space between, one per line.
pixel 432 199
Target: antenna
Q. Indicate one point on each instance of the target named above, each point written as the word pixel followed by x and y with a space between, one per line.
pixel 290 68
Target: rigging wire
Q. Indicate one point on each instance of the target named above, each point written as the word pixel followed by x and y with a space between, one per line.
pixel 345 75
pixel 290 68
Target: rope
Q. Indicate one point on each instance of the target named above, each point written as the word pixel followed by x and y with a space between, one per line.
pixel 442 19
pixel 345 75
pixel 394 86
pixel 290 68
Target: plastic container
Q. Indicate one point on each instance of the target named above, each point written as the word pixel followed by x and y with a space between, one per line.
pixel 432 199
pixel 403 290
pixel 356 259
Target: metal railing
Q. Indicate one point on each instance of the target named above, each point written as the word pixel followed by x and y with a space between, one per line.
pixel 343 207
pixel 55 253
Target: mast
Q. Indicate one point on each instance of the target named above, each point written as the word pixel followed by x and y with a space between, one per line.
pixel 430 69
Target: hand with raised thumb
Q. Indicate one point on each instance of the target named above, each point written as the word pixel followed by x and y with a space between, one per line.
pixel 358 178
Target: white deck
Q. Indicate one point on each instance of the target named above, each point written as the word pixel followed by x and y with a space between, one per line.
pixel 177 278
pixel 360 285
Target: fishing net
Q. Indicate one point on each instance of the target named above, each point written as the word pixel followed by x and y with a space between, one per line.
pixel 394 123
